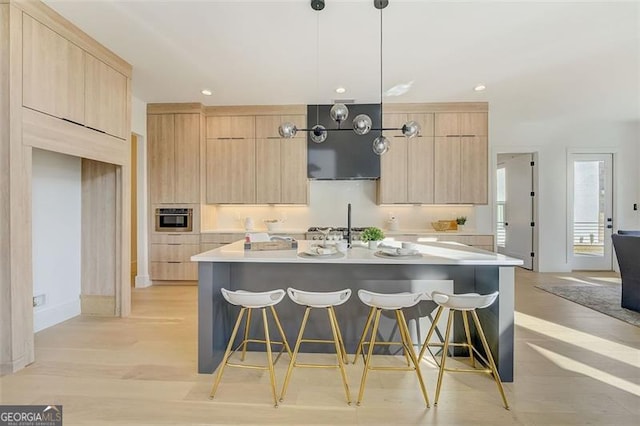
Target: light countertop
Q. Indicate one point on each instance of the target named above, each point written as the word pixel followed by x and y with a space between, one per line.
pixel 386 232
pixel 435 253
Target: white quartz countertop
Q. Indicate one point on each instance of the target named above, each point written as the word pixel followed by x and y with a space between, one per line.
pixel 387 233
pixel 433 253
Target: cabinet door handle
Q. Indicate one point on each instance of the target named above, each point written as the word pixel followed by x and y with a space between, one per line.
pixel 173 261
pixel 273 137
pixel 174 244
pixel 72 122
pixel 453 136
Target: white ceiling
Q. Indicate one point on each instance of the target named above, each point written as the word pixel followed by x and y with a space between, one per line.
pixel 543 58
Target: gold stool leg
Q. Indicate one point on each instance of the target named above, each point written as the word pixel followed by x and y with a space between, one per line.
pixel 445 353
pixel 340 340
pixel 465 320
pixel 434 324
pixel 246 334
pixel 272 374
pixel 339 350
pixel 408 343
pixel 295 354
pixel 223 363
pixel 492 364
pixel 364 333
pixel 367 360
pixel 281 330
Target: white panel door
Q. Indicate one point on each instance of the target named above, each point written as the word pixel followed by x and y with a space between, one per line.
pixel 518 209
pixel 590 211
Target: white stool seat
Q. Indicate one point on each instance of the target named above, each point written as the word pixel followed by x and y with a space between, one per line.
pixel 251 299
pixel 318 299
pixel 389 301
pixel 464 302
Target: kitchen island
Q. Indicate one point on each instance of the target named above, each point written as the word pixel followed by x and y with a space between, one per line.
pixel 448 267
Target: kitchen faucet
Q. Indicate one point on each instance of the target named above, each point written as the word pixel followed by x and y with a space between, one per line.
pixel 349 225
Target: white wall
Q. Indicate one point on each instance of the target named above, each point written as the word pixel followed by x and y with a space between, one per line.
pixel 552 138
pixel 57 188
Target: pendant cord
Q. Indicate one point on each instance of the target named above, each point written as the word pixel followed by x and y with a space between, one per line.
pixel 381 124
pixel 318 66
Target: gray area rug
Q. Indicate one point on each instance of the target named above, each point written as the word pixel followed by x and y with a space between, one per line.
pixel 605 299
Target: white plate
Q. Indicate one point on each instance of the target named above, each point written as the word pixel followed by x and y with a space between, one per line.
pixel 326 251
pixel 390 255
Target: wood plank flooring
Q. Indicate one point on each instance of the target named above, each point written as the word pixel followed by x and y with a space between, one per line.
pixel 574 366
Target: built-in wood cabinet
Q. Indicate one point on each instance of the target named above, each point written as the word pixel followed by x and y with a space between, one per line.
pixel 461 158
pixel 281 164
pixel 247 162
pixel 170 257
pixel 406 170
pixel 105 97
pixel 231 160
pixel 174 158
pixel 63 80
pixel 52 72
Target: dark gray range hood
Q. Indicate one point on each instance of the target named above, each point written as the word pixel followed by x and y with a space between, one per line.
pixel 344 155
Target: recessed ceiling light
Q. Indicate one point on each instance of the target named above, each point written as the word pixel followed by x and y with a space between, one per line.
pixel 207 92
pixel 479 87
pixel 341 90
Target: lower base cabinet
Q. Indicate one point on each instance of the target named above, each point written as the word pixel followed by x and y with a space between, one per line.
pixel 170 257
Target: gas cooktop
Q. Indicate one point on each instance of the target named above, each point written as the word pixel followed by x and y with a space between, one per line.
pixel 313 233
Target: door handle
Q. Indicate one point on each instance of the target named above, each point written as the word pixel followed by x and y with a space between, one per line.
pixel 506 224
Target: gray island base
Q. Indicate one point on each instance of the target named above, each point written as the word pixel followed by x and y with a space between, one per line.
pixel 442 266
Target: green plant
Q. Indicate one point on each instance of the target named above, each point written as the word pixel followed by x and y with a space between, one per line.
pixel 372 234
pixel 461 220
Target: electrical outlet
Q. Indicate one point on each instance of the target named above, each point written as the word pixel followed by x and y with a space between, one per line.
pixel 39 300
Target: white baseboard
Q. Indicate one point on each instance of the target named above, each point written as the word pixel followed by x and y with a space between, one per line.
pixel 47 317
pixel 143 281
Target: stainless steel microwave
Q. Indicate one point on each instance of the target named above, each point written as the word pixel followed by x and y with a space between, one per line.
pixel 174 220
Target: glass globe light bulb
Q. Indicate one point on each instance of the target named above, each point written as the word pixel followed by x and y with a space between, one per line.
pixel 318 133
pixel 380 145
pixel 410 129
pixel 362 124
pixel 287 130
pixel 339 112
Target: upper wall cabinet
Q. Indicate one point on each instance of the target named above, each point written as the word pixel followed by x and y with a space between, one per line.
pixel 281 164
pixel 231 160
pixel 53 72
pixel 105 98
pixel 62 80
pixel 461 158
pixel 174 158
pixel 406 170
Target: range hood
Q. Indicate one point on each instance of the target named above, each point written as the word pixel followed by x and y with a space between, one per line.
pixel 344 155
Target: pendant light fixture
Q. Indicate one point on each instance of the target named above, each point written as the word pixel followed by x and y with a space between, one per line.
pixel 339 112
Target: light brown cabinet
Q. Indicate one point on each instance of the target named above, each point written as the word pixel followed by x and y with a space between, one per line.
pixel 281 164
pixel 231 160
pixel 406 170
pixel 461 158
pixel 52 72
pixel 170 257
pixel 105 98
pixel 174 158
pixel 62 80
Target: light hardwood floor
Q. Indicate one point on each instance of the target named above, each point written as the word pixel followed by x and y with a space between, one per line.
pixel 573 366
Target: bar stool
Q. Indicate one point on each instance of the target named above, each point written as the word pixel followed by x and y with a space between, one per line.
pixel 326 300
pixel 249 301
pixel 463 303
pixel 390 302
